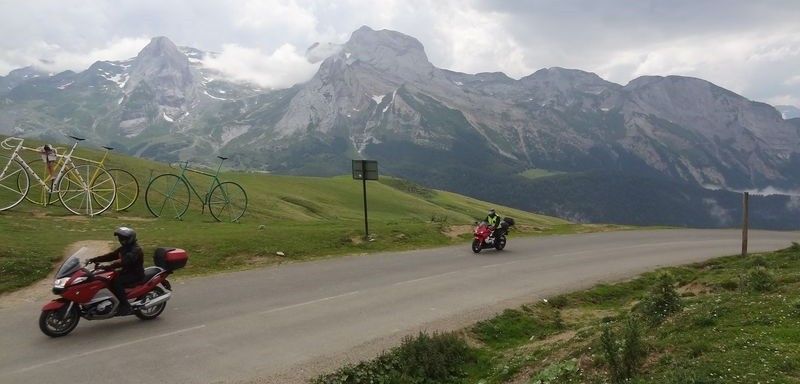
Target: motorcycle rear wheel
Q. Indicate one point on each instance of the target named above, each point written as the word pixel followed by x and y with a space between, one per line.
pixel 56 323
pixel 152 312
pixel 477 246
pixel 500 243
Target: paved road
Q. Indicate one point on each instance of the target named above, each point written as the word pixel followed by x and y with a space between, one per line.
pixel 239 326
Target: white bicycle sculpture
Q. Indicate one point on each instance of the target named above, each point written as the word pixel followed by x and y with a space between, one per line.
pixel 83 189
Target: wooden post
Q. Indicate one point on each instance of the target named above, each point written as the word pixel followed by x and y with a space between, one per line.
pixel 366 222
pixel 745 221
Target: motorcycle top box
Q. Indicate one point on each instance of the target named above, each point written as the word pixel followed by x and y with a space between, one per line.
pixel 170 258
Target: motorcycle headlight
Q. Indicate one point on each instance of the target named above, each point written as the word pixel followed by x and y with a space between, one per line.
pixel 60 283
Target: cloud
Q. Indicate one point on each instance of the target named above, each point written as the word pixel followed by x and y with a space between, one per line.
pixel 750 47
pixel 280 69
pixel 784 100
pixel 54 58
pixel 720 214
pixel 793 204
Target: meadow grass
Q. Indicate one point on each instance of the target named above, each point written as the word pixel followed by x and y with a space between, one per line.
pixel 301 217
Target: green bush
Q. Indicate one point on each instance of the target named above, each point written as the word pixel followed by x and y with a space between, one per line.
pixel 424 359
pixel 758 261
pixel 608 345
pixel 729 285
pixel 624 358
pixel 558 373
pixel 759 279
pixel 662 301
pixel 558 302
pixel 633 350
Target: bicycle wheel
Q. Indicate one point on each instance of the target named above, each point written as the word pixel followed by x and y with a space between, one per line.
pixel 227 201
pixel 38 193
pixel 127 188
pixel 86 190
pixel 168 195
pixel 14 183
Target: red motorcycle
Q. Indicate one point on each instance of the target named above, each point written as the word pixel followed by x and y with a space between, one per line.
pixel 86 293
pixel 486 237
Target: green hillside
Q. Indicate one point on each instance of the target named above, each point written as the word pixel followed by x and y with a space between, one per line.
pixel 302 217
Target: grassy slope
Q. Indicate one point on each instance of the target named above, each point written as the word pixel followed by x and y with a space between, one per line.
pixel 727 331
pixel 303 217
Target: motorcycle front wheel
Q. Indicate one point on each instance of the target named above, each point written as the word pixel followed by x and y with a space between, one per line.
pixel 57 322
pixel 477 246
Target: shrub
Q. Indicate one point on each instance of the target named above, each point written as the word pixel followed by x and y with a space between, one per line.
pixel 729 285
pixel 558 302
pixel 429 359
pixel 758 261
pixel 662 301
pixel 608 344
pixel 436 358
pixel 625 360
pixel 759 279
pixel 563 371
pixel 633 351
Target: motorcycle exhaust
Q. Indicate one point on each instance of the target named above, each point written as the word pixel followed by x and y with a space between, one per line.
pixel 157 300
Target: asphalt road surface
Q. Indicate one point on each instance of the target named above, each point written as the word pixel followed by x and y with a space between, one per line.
pixel 283 323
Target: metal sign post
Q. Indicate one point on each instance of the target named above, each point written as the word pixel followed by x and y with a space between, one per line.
pixel 365 170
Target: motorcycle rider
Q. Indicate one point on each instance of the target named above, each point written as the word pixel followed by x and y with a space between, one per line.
pixel 494 221
pixel 130 259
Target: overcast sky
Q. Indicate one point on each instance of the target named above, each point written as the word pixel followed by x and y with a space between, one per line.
pixel 750 47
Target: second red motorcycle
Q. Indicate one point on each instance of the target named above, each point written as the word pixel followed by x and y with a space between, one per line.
pixel 487 237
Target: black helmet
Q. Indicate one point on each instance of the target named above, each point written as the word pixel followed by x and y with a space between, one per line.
pixel 125 235
pixel 492 212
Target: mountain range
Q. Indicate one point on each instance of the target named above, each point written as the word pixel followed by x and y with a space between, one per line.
pixel 560 141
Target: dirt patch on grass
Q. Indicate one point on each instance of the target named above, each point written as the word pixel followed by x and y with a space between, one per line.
pixel 693 289
pixel 140 219
pixel 41 290
pixel 455 231
pixel 580 315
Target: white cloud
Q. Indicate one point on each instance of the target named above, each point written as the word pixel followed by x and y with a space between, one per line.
pixel 478 42
pixel 734 61
pixel 784 100
pixel 280 69
pixel 54 58
pixel 287 15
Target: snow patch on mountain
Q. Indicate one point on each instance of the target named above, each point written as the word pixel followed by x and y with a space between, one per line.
pixel 213 97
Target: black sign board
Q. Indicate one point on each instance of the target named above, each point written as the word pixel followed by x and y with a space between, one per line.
pixel 365 170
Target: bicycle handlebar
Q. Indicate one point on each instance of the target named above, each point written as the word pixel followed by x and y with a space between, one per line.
pixel 7 145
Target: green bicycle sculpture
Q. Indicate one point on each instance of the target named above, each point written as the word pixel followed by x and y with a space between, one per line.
pixel 169 195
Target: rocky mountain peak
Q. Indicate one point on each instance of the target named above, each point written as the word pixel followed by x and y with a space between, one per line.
pixel 160 46
pixel 564 77
pixel 165 69
pixel 388 51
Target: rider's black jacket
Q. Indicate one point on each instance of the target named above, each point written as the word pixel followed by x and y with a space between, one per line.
pixel 129 257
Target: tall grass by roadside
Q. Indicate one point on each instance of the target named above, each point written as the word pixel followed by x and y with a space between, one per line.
pixel 727 320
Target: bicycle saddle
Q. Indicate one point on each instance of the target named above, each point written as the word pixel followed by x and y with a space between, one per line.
pixel 76 138
pixel 222 158
pixel 109 148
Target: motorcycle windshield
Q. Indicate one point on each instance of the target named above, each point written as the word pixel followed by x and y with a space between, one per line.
pixel 71 265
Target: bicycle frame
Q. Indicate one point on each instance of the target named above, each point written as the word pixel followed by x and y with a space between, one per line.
pixel 185 168
pixel 64 160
